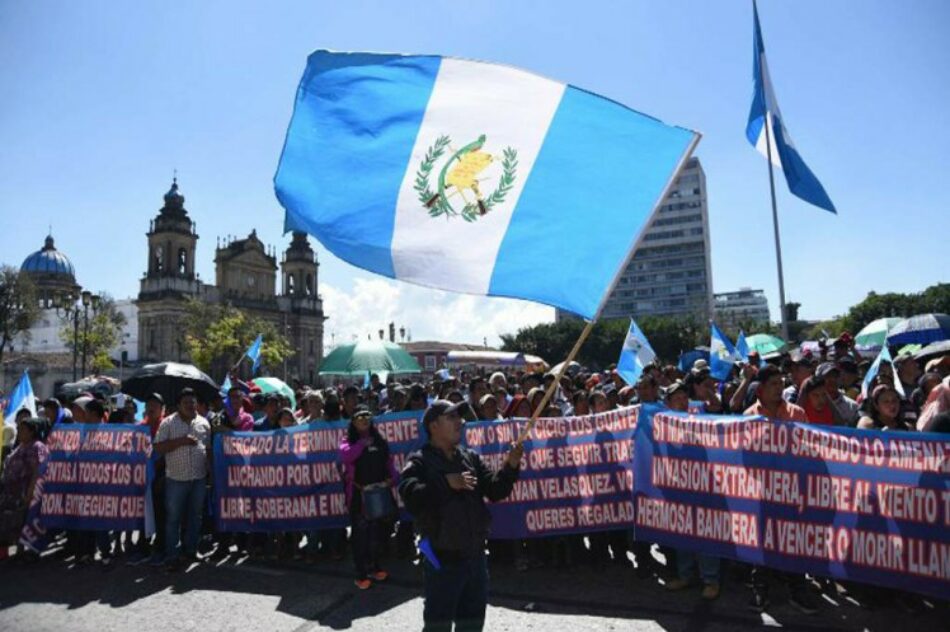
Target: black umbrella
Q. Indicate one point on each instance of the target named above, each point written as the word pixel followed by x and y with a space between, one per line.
pixel 168 379
pixel 933 350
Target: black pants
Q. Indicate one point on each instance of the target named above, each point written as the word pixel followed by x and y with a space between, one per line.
pixel 365 541
pixel 158 510
pixel 456 593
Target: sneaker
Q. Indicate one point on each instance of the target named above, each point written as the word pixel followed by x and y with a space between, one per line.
pixel 803 600
pixel 363 584
pixel 380 575
pixel 678 584
pixel 710 592
pixel 759 601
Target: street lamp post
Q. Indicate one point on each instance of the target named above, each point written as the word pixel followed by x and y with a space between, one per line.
pixel 88 300
pixel 71 309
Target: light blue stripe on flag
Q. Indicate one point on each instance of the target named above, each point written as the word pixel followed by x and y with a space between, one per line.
pixel 594 185
pixel 354 124
pixel 21 397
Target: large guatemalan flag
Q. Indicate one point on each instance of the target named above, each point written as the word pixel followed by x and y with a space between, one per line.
pixel 472 177
pixel 801 181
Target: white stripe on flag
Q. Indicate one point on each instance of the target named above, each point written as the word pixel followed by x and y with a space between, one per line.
pixel 511 108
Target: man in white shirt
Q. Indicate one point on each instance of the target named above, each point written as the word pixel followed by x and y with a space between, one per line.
pixel 184 438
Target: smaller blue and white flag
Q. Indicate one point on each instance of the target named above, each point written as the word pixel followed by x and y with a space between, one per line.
pixel 254 353
pixel 722 354
pixel 225 387
pixel 883 356
pixel 636 354
pixel 21 397
pixel 742 347
pixel 768 135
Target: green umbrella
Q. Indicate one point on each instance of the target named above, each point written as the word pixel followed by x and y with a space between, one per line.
pixel 765 344
pixel 870 339
pixel 274 385
pixel 375 356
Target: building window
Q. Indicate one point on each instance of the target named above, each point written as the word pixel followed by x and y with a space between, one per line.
pixel 290 284
pixel 430 363
pixel 159 259
pixel 309 286
pixel 182 262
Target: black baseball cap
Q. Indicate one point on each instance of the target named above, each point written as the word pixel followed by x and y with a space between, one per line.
pixel 155 397
pixel 438 408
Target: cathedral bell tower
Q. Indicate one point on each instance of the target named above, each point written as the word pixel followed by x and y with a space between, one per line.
pixel 172 240
pixel 299 268
pixel 169 279
pixel 301 303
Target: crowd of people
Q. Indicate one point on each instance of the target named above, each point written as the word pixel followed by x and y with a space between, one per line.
pixel 824 389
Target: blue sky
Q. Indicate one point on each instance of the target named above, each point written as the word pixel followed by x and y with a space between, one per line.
pixel 102 100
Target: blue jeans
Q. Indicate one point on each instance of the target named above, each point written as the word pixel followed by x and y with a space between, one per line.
pixel 458 592
pixel 708 566
pixel 184 500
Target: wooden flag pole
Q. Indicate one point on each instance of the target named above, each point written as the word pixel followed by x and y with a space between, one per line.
pixel 549 392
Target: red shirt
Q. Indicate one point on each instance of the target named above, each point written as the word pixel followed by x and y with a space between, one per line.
pixel 152 426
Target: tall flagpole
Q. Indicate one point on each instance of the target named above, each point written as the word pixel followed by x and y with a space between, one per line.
pixel 778 241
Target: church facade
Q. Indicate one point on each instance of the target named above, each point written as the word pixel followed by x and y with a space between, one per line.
pixel 246 274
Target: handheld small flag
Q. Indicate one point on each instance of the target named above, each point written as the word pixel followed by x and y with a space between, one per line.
pixel 766 132
pixel 392 161
pixel 636 354
pixel 883 356
pixel 722 354
pixel 254 353
pixel 21 398
pixel 742 347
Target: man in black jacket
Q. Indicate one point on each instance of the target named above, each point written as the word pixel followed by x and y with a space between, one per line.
pixel 444 487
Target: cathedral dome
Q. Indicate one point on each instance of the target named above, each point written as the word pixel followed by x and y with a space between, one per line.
pixel 49 261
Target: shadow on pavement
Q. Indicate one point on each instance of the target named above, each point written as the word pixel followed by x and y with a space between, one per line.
pixel 323 593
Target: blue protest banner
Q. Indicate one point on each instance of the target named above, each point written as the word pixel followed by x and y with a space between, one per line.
pixel 576 474
pixel 289 479
pixel 97 477
pixel 836 502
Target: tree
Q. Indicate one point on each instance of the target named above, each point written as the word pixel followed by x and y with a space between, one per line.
pixel 19 306
pixel 98 338
pixel 216 337
pixel 935 298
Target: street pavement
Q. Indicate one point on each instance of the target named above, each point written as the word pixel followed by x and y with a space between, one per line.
pixel 239 594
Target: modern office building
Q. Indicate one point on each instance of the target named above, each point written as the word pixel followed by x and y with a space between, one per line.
pixel 670 273
pixel 745 306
